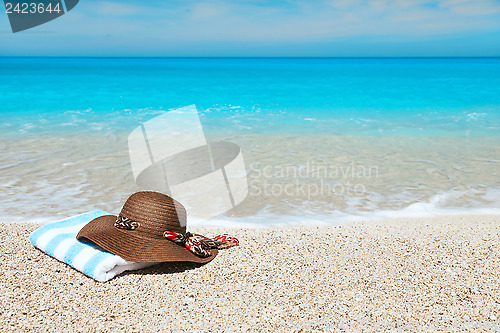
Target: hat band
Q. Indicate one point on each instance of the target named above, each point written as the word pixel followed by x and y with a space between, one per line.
pixel 126 223
pixel 200 245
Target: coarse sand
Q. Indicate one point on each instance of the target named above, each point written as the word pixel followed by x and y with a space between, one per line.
pixel 418 274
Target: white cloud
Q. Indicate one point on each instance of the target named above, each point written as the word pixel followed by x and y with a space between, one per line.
pixel 474 8
pixel 109 8
pixel 207 10
pixel 274 24
pixel 305 20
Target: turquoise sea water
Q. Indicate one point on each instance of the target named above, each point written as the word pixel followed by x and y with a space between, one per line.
pixel 430 128
pixel 388 96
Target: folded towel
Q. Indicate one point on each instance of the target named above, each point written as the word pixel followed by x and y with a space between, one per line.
pixel 58 240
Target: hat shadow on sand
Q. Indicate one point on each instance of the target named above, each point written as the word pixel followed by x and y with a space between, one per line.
pixel 164 268
pixel 158 269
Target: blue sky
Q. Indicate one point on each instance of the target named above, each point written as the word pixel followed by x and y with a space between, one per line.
pixel 264 28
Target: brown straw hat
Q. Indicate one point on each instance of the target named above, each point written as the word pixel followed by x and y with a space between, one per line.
pixel 148 215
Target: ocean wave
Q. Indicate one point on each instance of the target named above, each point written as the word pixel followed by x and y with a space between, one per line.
pixel 441 204
pixel 436 206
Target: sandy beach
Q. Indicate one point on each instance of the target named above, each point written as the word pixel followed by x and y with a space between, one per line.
pixel 420 274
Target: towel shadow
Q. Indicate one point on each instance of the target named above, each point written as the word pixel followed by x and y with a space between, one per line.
pixel 164 268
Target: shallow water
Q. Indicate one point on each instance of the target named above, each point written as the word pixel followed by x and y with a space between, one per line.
pixel 323 140
pixel 50 176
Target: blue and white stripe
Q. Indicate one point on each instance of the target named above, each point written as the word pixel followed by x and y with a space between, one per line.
pixel 58 239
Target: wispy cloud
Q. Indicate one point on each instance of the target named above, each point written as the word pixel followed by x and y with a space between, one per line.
pixel 170 26
pixel 108 8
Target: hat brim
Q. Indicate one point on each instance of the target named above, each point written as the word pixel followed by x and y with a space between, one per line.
pixel 136 247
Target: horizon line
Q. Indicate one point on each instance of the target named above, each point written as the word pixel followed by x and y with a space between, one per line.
pixel 262 57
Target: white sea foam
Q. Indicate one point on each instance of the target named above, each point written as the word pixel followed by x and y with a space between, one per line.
pixel 442 204
pixel 438 205
pixel 276 221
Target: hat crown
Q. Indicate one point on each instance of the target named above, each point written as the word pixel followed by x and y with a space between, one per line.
pixel 155 212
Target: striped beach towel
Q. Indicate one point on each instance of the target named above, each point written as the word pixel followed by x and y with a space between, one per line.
pixel 58 240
